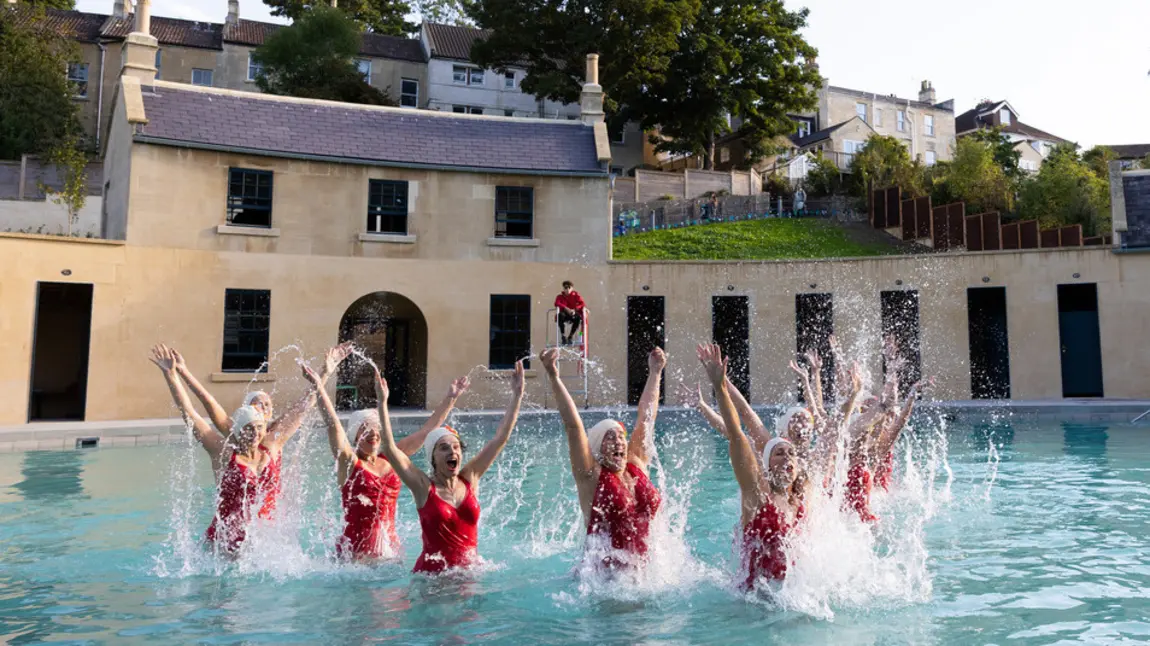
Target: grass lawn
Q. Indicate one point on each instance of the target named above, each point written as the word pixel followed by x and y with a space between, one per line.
pixel 769 239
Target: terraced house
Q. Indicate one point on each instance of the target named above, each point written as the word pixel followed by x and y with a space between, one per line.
pixel 212 55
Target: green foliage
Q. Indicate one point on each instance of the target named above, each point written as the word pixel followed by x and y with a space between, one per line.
pixel 71 163
pixel 737 58
pixel 1098 159
pixel 975 177
pixel 53 4
pixel 1067 190
pixel 882 162
pixel 635 39
pixel 449 12
pixel 315 58
pixel 36 106
pixel 777 185
pixel 823 177
pixel 1003 150
pixel 379 16
pixel 769 239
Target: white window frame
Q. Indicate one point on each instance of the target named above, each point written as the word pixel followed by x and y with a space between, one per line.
pixel 254 68
pixel 403 94
pixel 901 120
pixel 1037 146
pixel 931 158
pixel 456 70
pixel 852 146
pixel 77 82
pixel 509 81
pixel 877 117
pixel 1004 116
pixel 474 72
pixel 360 64
pixel 202 71
pixel 860 111
pixel 928 125
pixel 804 128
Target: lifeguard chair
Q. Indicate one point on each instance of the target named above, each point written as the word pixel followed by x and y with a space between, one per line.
pixel 573 355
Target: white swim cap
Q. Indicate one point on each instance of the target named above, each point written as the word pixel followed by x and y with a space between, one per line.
pixel 357 420
pixel 243 416
pixel 775 441
pixel 435 436
pixel 597 433
pixel 784 420
pixel 251 397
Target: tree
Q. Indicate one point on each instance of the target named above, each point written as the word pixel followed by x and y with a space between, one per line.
pixel 52 4
pixel 378 16
pixel 1067 191
pixel 741 59
pixel 635 40
pixel 882 162
pixel 1098 159
pixel 823 177
pixel 315 58
pixel 449 12
pixel 71 163
pixel 1003 150
pixel 975 177
pixel 36 106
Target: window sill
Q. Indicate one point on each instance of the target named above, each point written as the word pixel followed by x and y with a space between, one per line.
pixel 506 373
pixel 513 242
pixel 258 232
pixel 242 377
pixel 388 238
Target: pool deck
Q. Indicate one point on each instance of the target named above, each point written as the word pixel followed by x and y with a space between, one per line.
pixel 56 436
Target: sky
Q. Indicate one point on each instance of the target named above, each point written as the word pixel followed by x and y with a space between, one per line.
pixel 1078 70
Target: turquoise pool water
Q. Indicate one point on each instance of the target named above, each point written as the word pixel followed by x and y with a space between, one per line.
pixel 1007 533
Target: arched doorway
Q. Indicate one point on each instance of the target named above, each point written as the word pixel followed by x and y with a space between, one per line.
pixel 391 331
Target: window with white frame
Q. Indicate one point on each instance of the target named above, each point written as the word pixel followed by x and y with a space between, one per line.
pixel 860 110
pixel 459 74
pixel 475 77
pixel 928 125
pixel 202 77
pixel 1004 116
pixel 901 118
pixel 78 78
pixel 409 93
pixel 509 80
pixel 466 109
pixel 254 68
pixel 851 146
pixel 804 128
pixel 877 117
pixel 1028 165
pixel 1037 146
pixel 364 67
pixel 931 158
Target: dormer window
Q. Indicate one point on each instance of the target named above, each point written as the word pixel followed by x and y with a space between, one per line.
pixel 1004 116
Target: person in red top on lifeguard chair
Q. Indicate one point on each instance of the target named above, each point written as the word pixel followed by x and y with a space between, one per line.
pixel 570 306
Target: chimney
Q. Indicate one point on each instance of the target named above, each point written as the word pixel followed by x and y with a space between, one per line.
pixel 926 94
pixel 138 54
pixel 591 100
pixel 121 9
pixel 233 12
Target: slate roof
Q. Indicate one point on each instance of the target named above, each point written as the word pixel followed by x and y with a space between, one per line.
pixel 170 31
pixel 253 34
pixel 1131 151
pixel 818 136
pixel 258 124
pixel 77 25
pixel 970 120
pixel 450 41
pixel 911 102
pixel 249 32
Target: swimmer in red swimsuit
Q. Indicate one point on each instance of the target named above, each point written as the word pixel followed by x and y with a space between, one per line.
pixel 617 497
pixel 369 487
pixel 279 430
pixel 446 498
pixel 771 508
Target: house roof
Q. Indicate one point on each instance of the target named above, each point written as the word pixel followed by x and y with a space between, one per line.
pixel 815 137
pixel 170 31
pixel 249 32
pixel 973 119
pixel 450 41
pixel 890 97
pixel 1131 151
pixel 77 25
pixel 259 124
pixel 254 34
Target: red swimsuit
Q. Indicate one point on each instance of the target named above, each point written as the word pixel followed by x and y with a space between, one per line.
pixel 369 502
pixel 885 471
pixel 450 534
pixel 270 484
pixel 618 515
pixel 859 485
pixel 763 543
pixel 239 491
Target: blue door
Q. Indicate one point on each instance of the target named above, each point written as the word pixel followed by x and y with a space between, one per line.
pixel 1081 344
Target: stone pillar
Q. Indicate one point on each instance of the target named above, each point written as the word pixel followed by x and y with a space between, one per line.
pixel 138 54
pixel 233 12
pixel 591 100
pixel 121 9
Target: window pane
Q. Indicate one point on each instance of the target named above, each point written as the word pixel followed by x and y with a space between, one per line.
pixel 364 67
pixel 510 332
pixel 514 211
pixel 409 93
pixel 509 79
pixel 387 206
pixel 249 197
pixel 247 319
pixel 476 77
pixel 459 74
pixel 202 77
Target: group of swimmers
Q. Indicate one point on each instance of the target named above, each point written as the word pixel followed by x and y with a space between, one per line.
pixel 776 475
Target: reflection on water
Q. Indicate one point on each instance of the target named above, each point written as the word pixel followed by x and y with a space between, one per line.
pixel 1085 441
pixel 50 475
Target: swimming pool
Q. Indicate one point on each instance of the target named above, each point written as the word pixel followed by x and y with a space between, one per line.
pixel 1021 533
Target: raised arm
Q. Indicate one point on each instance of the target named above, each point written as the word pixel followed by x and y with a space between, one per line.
pixel 746 467
pixel 216 413
pixel 211 440
pixel 637 448
pixel 827 440
pixel 756 431
pixel 415 479
pixel 287 425
pixel 411 444
pixel 693 398
pixel 818 405
pixel 341 449
pixel 483 460
pixel 582 463
pixel 889 435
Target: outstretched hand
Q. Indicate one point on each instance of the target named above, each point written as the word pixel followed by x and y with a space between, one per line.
pixel 518 379
pixel 713 362
pixel 164 358
pixel 656 360
pixel 691 396
pixel 550 360
pixel 334 357
pixel 311 375
pixel 800 369
pixel 381 390
pixel 458 387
